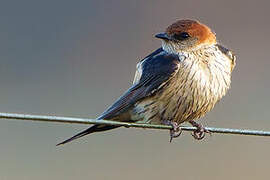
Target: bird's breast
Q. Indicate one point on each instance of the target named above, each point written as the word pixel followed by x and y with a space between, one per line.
pixel 199 84
pixel 190 94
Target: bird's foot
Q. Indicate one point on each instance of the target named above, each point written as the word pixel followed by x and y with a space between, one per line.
pixel 200 132
pixel 175 131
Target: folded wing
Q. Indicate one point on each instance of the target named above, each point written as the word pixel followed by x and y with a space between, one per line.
pixel 153 72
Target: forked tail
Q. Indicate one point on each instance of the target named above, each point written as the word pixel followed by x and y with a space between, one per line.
pixel 95 128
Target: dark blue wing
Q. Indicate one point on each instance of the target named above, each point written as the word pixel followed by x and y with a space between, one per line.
pixel 155 70
pixel 152 73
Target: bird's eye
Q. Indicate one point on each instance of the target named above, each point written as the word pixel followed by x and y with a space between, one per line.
pixel 181 36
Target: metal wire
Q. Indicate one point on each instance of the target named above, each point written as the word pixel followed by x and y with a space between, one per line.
pixel 74 120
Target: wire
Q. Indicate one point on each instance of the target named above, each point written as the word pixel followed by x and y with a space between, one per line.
pixel 74 120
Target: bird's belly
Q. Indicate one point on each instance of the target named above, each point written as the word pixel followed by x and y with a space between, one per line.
pixel 177 102
pixel 185 101
pixel 190 94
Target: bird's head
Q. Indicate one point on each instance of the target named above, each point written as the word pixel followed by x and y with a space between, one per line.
pixel 186 35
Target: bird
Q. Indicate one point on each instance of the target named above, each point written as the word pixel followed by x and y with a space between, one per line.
pixel 179 82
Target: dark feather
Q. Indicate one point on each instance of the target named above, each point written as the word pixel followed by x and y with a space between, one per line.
pixel 157 69
pixel 95 128
pixel 227 52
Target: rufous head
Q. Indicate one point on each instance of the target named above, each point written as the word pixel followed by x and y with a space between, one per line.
pixel 187 35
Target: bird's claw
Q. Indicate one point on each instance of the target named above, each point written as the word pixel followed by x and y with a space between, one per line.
pixel 200 132
pixel 175 131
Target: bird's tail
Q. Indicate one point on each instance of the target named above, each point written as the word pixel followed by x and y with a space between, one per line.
pixel 95 128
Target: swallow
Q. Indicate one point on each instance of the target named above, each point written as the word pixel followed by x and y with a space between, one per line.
pixel 179 82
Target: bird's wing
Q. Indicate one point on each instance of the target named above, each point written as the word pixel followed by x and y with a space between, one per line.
pixel 230 54
pixel 152 74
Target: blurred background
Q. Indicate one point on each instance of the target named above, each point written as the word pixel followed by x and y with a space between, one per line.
pixel 74 58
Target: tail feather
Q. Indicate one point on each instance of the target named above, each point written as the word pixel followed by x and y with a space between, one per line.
pixel 95 128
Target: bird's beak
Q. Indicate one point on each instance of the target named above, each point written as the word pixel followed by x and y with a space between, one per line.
pixel 163 36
